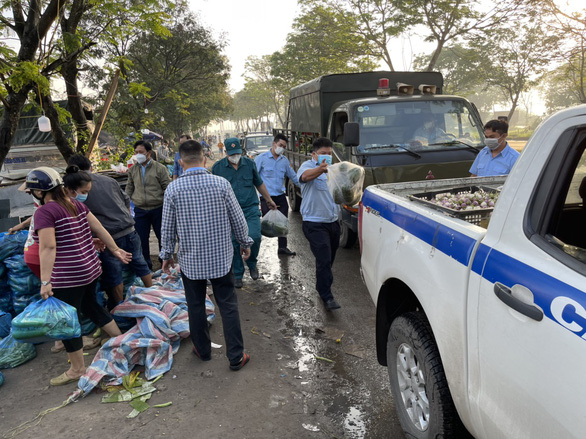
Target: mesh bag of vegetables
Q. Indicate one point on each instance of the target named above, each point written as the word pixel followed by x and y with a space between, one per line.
pixel 345 182
pixel 13 353
pixel 12 244
pixel 5 320
pixel 46 320
pixel 274 224
pixel 24 284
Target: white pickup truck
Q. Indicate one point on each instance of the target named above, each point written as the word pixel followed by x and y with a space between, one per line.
pixel 485 327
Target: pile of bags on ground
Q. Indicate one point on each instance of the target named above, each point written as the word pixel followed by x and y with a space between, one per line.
pixel 19 287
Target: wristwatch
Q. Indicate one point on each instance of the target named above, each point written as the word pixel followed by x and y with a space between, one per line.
pixel 45 283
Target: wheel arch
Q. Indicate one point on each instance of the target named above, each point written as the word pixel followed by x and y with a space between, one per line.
pixel 394 298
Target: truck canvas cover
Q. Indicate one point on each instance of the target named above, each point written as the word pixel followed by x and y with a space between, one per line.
pixel 310 104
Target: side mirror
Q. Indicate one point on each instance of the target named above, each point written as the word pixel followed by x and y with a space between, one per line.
pixel 351 134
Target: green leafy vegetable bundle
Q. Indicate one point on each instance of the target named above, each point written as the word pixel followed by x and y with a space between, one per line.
pixel 345 182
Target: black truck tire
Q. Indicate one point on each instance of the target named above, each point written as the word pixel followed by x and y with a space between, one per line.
pixel 348 237
pixel 418 383
pixel 294 199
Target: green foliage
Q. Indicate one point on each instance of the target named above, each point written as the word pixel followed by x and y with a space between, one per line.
pixel 26 72
pixel 180 76
pixel 322 42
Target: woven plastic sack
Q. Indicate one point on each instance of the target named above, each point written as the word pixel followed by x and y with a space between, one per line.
pixel 274 224
pixel 21 279
pixel 345 182
pixel 5 320
pixel 12 244
pixel 46 320
pixel 14 353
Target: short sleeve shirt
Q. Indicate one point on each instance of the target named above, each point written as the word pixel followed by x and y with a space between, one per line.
pixel 243 180
pixel 76 260
pixel 317 204
pixel 485 165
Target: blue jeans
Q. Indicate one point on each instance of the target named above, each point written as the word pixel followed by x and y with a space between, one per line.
pixel 143 221
pixel 253 220
pixel 112 267
pixel 195 295
pixel 324 239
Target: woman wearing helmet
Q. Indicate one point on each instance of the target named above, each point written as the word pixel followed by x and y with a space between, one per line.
pixel 69 264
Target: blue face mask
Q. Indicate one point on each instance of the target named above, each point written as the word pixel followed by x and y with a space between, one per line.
pixel 81 197
pixel 326 157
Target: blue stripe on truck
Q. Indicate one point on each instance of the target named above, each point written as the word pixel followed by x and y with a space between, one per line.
pixel 448 241
pixel 559 301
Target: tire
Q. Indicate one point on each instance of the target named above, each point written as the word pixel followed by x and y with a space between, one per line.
pixel 294 199
pixel 348 237
pixel 422 399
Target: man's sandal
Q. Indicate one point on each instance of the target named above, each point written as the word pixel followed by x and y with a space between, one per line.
pixel 245 359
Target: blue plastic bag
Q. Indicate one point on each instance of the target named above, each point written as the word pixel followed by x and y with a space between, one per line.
pixel 5 320
pixel 12 244
pixel 46 320
pixel 21 279
pixel 1 379
pixel 14 353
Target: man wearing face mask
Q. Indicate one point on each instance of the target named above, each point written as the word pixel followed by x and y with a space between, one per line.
pixel 146 186
pixel 320 217
pixel 497 157
pixel 244 178
pixel 111 206
pixel 272 167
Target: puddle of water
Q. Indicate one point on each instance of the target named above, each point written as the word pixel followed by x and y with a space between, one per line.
pixel 354 423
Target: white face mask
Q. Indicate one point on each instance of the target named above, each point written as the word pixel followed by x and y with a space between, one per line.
pixel 491 143
pixel 235 158
pixel 140 158
pixel 279 150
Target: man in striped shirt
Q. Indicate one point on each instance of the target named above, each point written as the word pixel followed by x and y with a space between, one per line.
pixel 202 211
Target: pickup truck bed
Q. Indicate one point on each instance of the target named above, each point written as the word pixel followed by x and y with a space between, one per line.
pixel 489 323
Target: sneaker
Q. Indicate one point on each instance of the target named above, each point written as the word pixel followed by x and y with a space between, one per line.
pixel 237 283
pixel 202 358
pixel 285 251
pixel 254 273
pixel 245 359
pixel 332 305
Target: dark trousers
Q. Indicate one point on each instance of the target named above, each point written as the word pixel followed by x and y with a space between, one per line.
pixel 143 220
pixel 84 300
pixel 324 239
pixel 195 295
pixel 283 206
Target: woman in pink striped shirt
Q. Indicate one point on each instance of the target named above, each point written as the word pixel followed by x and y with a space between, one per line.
pixel 69 263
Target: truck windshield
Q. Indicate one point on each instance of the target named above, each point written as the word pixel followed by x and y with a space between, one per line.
pixel 418 126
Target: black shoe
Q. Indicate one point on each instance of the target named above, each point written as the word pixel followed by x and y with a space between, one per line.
pixel 245 359
pixel 254 273
pixel 202 357
pixel 286 251
pixel 332 305
pixel 237 283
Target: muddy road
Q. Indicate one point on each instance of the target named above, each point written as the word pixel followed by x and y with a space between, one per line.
pixel 284 392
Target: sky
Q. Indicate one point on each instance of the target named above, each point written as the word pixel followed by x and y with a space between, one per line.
pixel 260 27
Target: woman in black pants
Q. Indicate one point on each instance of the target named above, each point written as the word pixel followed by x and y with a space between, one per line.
pixel 69 263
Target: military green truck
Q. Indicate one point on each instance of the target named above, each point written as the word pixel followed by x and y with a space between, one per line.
pixel 397 125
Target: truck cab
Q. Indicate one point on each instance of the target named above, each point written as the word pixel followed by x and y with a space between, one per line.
pixel 405 132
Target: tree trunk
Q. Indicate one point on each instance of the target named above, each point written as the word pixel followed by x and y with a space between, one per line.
pixel 436 54
pixel 69 72
pixel 59 136
pixel 10 118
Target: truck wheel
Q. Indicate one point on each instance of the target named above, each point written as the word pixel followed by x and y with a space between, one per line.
pixel 294 199
pixel 348 237
pixel 418 383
